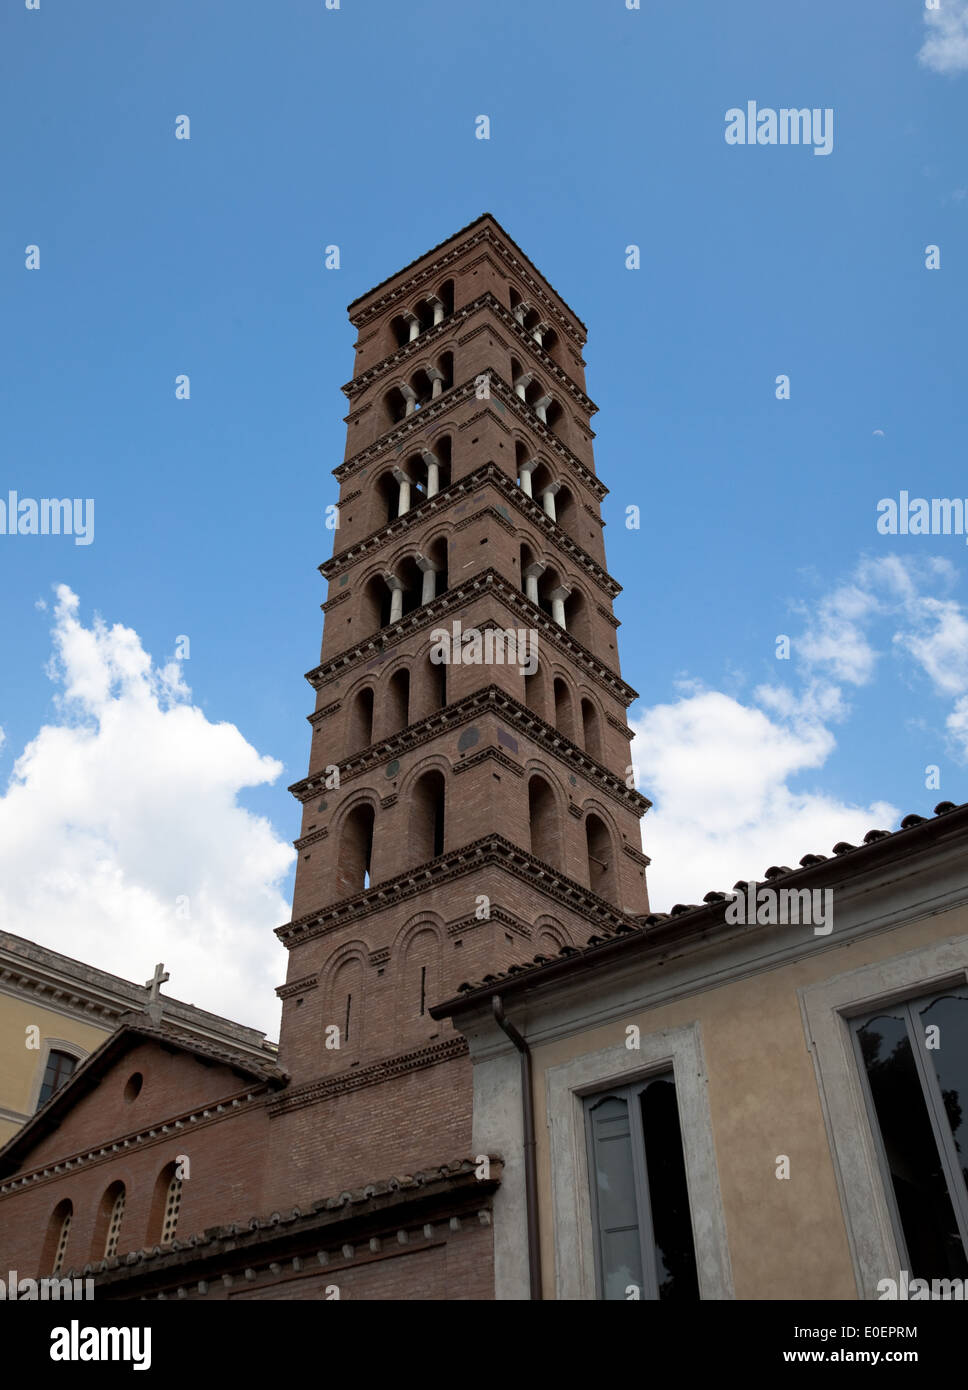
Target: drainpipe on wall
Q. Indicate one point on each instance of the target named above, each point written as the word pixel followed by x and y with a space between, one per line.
pixel 530 1160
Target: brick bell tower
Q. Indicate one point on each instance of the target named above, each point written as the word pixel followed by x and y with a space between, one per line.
pixel 459 815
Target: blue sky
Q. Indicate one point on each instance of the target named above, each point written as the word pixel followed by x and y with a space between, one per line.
pixel 356 127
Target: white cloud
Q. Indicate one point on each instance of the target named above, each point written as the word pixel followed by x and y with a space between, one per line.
pixel 835 638
pixel 945 48
pixel 938 640
pixel 125 808
pixel 719 773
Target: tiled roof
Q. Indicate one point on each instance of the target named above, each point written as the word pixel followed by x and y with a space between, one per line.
pixel 682 913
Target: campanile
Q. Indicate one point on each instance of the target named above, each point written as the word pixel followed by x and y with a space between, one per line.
pixel 467 805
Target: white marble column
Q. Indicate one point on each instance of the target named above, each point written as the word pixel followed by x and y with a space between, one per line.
pixel 396 597
pixel 429 570
pixel 522 384
pixel 538 332
pixel 526 470
pixel 531 576
pixel 433 472
pixel 413 323
pixel 406 486
pixel 541 408
pixel 410 396
pixel 439 308
pixel 558 597
pixel 437 377
pixel 548 500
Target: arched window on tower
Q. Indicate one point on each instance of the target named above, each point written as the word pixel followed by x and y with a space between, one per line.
pixel 422 386
pixel 442 374
pixel 388 491
pixel 579 617
pixel 566 512
pixel 398 701
pixel 377 604
pixel 543 821
pixel 437 683
pixel 549 341
pixel 427 818
pixel 564 710
pixel 345 1010
pixel 601 860
pixel 421 978
pixel 361 721
pixel 355 851
pixel 398 403
pixel 553 416
pixel 445 295
pixel 534 692
pixel 409 577
pixel 592 730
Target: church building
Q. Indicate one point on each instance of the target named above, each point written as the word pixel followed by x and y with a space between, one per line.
pixel 500 1073
pixel 468 805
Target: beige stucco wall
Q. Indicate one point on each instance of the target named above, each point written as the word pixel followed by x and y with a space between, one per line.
pixel 787 1239
pixel 20 1066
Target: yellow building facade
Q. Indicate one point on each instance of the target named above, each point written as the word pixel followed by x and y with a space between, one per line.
pixel 820 1074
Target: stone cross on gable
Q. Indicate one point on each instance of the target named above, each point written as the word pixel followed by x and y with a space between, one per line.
pixel 153 986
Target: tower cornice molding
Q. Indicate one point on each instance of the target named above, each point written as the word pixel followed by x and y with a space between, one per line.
pixel 489 472
pixel 449 253
pixel 324 1088
pixel 455 864
pixel 488 300
pixel 489 700
pixel 430 614
pixel 416 422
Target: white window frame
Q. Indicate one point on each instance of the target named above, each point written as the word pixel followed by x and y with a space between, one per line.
pixel 678 1050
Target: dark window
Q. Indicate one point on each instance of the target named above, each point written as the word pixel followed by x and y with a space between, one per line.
pixel 914 1060
pixel 60 1066
pixel 640 1199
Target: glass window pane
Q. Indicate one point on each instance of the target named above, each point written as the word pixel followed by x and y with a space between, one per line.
pixel 614 1177
pixel 60 1066
pixel 924 1206
pixel 675 1255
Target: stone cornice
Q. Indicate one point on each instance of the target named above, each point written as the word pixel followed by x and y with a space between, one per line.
pixel 446 868
pixel 489 700
pixel 484 236
pixel 431 335
pixel 487 473
pixel 414 424
pixel 430 614
pixel 324 1088
pixel 161 1132
pixel 76 990
pixel 302 986
pixel 387 1218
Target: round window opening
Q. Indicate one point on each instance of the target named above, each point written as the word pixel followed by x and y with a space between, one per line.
pixel 133 1088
